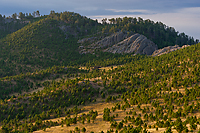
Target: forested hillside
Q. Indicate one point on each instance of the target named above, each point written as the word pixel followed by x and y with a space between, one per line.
pixel 11 24
pixel 159 33
pixel 45 82
pixel 42 44
pixel 51 40
pixel 153 93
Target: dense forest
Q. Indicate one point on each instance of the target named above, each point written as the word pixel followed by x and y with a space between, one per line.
pixel 15 22
pixel 41 44
pixel 158 32
pixel 45 82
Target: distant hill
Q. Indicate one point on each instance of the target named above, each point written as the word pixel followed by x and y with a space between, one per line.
pixel 51 40
pixel 47 42
pixel 9 25
pixel 159 33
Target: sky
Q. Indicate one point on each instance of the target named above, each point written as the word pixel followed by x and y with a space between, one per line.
pixel 183 15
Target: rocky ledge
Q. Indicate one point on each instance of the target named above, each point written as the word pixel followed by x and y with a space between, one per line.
pixel 136 43
pixel 121 43
pixel 168 49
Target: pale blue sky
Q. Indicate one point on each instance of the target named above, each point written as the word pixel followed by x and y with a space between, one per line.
pixel 183 15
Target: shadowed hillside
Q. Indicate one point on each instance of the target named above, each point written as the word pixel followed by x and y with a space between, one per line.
pixel 42 44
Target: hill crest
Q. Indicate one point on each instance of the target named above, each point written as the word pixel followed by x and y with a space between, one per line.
pixel 52 40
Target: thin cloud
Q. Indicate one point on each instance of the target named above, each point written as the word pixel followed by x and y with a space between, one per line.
pixel 191 10
pixel 139 11
pixel 183 20
pixel 115 10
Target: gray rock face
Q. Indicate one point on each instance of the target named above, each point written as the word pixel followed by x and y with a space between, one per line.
pixel 136 43
pixel 168 49
pixel 119 43
pixel 109 41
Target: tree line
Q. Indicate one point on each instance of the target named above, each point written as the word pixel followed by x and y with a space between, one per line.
pixel 158 32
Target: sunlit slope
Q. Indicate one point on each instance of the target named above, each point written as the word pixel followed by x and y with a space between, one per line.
pixel 157 92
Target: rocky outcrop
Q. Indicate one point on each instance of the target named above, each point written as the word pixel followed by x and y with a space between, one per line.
pixel 136 43
pixel 168 49
pixel 109 41
pixel 121 43
pixel 101 44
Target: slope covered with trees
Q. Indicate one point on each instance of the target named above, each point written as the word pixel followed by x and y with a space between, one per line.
pixel 158 32
pixel 15 22
pixel 154 92
pixel 144 93
pixel 52 40
pixel 43 44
